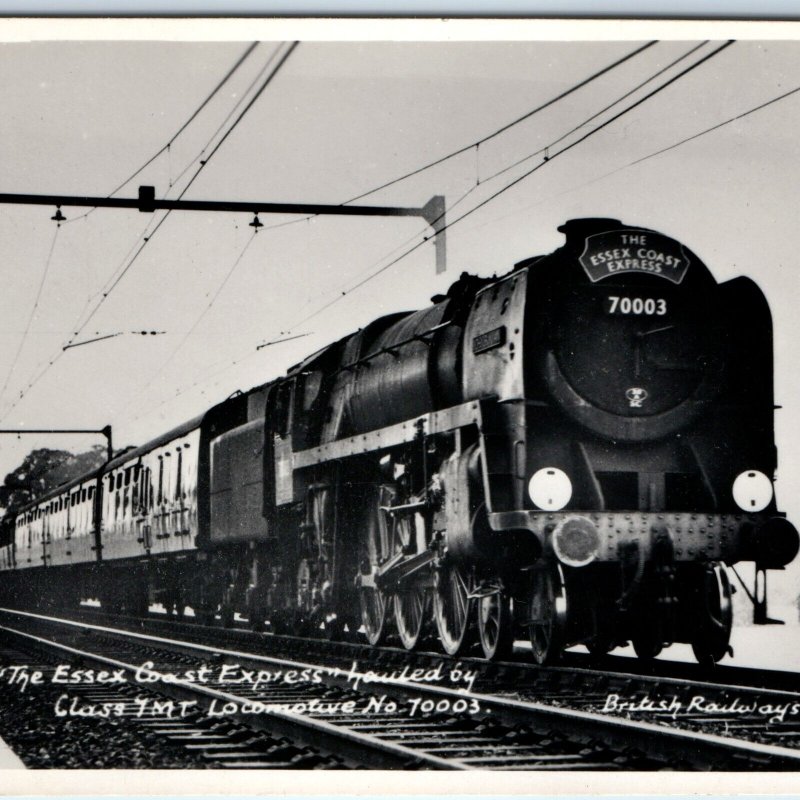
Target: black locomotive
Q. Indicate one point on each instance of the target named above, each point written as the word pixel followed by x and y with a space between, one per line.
pixel 574 451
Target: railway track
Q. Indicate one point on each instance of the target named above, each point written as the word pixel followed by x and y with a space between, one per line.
pixel 52 729
pixel 373 712
pixel 518 667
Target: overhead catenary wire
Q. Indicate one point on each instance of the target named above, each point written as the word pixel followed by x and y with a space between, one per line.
pixel 44 367
pixel 194 177
pixel 32 314
pixel 507 126
pixel 550 102
pixel 202 315
pixel 486 138
pixel 243 98
pixel 112 336
pixel 226 364
pixel 551 156
pixel 143 240
pixel 675 145
pixel 276 69
pixel 284 339
pixel 230 364
pixel 481 182
pixel 107 292
pixel 166 148
pixel 715 127
pixel 548 160
pixel 599 113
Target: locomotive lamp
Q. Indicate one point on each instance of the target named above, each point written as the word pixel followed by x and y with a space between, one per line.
pixel 752 491
pixel 550 489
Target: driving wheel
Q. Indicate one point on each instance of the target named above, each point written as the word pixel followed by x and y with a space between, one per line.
pixel 373 551
pixel 452 604
pixel 411 601
pixel 495 625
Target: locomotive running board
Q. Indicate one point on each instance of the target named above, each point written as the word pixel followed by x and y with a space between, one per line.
pixel 443 421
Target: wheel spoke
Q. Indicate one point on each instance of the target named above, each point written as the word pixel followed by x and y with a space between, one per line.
pixel 452 605
pixel 495 625
pixel 546 621
pixel 710 641
pixel 374 545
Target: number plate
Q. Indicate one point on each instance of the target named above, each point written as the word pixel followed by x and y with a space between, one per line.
pixel 638 306
pixel 489 340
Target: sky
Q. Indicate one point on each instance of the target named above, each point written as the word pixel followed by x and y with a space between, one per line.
pixel 337 120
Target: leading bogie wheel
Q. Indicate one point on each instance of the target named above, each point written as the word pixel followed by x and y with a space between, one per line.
pixel 547 614
pixel 711 641
pixel 452 607
pixel 495 625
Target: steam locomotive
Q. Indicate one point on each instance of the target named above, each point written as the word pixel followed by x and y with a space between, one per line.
pixel 576 451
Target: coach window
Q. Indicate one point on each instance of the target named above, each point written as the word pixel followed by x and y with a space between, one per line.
pixel 126 493
pixel 140 489
pixel 76 516
pixel 178 477
pixel 168 478
pixel 144 489
pixel 106 499
pixel 135 491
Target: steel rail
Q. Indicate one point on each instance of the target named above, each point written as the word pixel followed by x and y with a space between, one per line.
pixel 651 738
pixel 364 650
pixel 383 753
